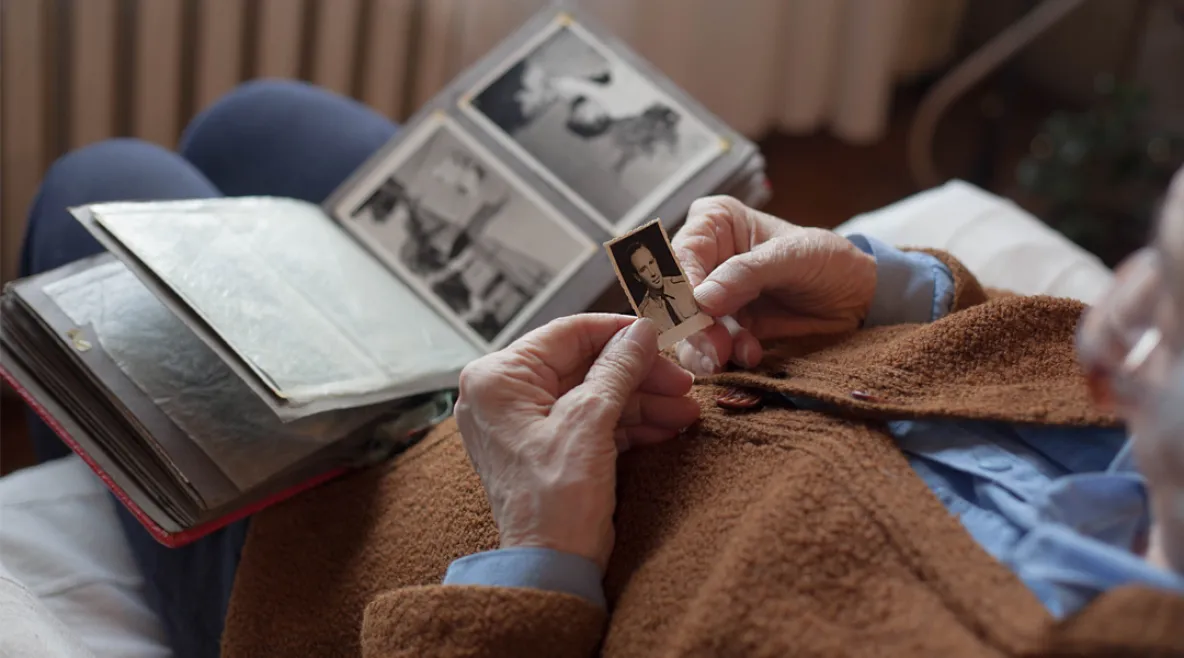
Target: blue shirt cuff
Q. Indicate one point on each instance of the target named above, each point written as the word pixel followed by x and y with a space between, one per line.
pixel 910 286
pixel 537 568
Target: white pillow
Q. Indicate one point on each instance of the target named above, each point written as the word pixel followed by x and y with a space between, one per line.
pixel 30 630
pixel 1004 246
pixel 60 539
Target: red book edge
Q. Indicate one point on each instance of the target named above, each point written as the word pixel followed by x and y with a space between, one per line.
pixel 173 539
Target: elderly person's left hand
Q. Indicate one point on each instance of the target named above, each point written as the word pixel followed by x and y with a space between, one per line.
pixel 1132 345
pixel 776 280
pixel 544 419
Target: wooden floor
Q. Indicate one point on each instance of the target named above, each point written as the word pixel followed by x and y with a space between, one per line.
pixel 817 181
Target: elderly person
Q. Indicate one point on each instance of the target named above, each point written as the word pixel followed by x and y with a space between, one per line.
pixel 872 457
pixel 909 467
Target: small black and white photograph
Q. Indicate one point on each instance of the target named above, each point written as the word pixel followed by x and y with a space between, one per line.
pixel 656 285
pixel 595 128
pixel 467 233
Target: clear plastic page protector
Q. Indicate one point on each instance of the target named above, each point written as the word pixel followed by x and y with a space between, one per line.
pixel 311 312
pixel 186 380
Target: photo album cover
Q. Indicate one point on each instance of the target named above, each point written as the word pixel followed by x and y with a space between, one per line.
pixel 224 354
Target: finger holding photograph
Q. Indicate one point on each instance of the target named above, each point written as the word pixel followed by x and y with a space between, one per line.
pixel 776 279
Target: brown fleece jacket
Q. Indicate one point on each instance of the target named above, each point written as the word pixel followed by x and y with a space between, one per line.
pixel 770 532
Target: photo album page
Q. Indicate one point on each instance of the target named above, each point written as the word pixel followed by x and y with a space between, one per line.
pixel 494 202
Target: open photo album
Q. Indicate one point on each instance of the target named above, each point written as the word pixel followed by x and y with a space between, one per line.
pixel 225 354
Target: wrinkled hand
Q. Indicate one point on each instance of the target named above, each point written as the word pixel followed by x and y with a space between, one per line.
pixel 1126 343
pixel 1166 544
pixel 765 278
pixel 544 419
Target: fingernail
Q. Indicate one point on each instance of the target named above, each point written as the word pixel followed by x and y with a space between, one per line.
pixel 703 345
pixel 708 359
pixel 622 440
pixel 707 365
pixel 642 331
pixel 747 355
pixel 687 355
pixel 710 294
pixel 730 324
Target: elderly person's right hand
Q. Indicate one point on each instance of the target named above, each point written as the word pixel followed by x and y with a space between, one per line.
pixel 766 278
pixel 544 419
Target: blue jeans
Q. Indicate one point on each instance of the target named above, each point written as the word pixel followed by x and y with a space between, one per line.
pixel 265 138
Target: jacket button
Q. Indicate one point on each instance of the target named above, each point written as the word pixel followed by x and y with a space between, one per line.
pixel 737 399
pixel 865 397
pixel 995 464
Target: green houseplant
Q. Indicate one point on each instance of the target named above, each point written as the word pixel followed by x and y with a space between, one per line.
pixel 1097 175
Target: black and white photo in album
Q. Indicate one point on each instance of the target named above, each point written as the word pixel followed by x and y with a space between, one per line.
pixel 471 237
pixel 656 285
pixel 605 136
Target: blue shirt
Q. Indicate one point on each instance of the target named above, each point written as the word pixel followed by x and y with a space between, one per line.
pixel 1062 507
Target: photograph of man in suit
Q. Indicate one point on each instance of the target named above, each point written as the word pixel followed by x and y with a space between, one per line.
pixel 667 300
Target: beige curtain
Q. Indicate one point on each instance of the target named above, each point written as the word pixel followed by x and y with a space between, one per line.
pixel 75 72
pixel 794 65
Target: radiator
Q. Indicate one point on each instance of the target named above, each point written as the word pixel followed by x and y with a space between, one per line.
pixel 76 71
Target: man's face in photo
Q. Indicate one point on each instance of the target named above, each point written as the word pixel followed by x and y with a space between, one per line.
pixel 647 268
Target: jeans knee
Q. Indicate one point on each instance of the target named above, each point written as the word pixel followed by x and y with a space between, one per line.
pixel 250 111
pixel 90 164
pixel 283 138
pixel 122 169
pixel 97 172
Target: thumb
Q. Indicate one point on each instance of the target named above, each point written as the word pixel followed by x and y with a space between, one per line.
pixel 618 372
pixel 741 279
